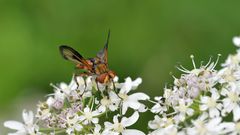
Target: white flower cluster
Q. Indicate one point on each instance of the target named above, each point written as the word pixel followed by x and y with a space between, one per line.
pixel 84 107
pixel 202 101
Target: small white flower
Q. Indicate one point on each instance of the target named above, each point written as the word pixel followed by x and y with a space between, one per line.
pixel 65 88
pixel 211 104
pixel 232 102
pixel 236 41
pixel 120 126
pixel 131 101
pixel 43 111
pixel 182 110
pixel 204 126
pixel 228 75
pixel 77 83
pixel 97 130
pixel 58 100
pixel 233 128
pixel 129 84
pixel 25 128
pixel 159 123
pixel 192 82
pixel 86 86
pixel 73 123
pixel 89 116
pixel 171 96
pixel 111 102
pixel 159 107
pixel 169 130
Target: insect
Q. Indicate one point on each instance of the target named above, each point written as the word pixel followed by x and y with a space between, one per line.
pixel 97 66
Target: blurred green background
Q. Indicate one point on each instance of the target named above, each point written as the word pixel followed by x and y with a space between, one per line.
pixel 148 38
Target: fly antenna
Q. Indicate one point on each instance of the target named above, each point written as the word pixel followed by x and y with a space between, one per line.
pixel 108 37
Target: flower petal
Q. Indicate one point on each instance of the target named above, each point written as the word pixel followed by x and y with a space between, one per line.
pixel 136 83
pixel 126 122
pixel 134 105
pixel 27 117
pixel 124 107
pixel 138 96
pixel 213 112
pixel 108 125
pixel 203 107
pixel 127 86
pixel 132 132
pixel 236 41
pixel 236 113
pixel 14 125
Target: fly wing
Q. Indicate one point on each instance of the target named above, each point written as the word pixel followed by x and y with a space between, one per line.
pixel 70 54
pixel 103 54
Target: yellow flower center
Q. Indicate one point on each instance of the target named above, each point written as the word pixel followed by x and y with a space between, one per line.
pixel 233 96
pixel 123 96
pixel 182 108
pixel 88 116
pixel 237 126
pixel 105 101
pixel 211 103
pixel 118 127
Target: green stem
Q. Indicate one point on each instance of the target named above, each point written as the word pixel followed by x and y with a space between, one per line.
pixel 49 129
pixel 90 102
pixel 60 131
pixel 55 130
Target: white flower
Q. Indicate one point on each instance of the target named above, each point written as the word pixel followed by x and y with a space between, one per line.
pixel 171 96
pixel 198 79
pixel 131 101
pixel 159 123
pixel 228 75
pixel 233 128
pixel 169 130
pixel 159 107
pixel 89 116
pixel 111 102
pixel 210 104
pixel 232 62
pixel 236 41
pixel 58 100
pixel 43 111
pixel 182 110
pixel 106 132
pixel 203 126
pixel 77 83
pixel 73 123
pixel 231 101
pixel 120 126
pixel 129 84
pixel 96 130
pixel 65 88
pixel 25 128
pixel 85 86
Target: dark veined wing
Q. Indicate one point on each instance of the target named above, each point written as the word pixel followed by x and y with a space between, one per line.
pixel 103 53
pixel 70 54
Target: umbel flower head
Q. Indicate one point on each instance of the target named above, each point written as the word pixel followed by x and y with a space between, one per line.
pixel 78 107
pixel 202 101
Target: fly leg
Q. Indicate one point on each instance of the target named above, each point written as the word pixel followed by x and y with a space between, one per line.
pixel 75 79
pixel 114 86
pixel 84 75
pixel 97 84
